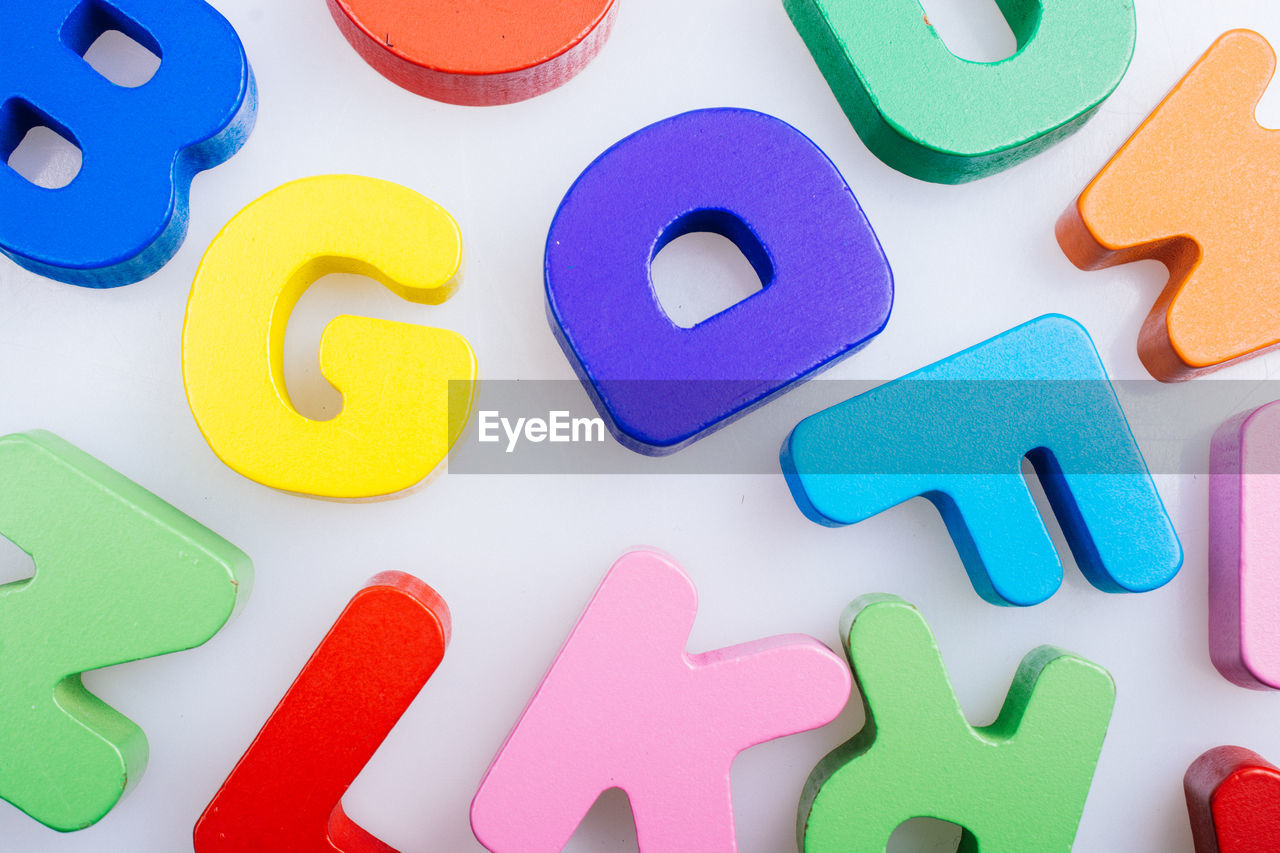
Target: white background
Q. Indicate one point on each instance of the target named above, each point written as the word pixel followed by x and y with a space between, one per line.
pixel 518 557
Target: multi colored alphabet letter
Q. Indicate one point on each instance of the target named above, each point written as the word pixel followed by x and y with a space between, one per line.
pixel 625 706
pixel 756 181
pixel 125 213
pixel 956 433
pixel 1233 798
pixel 476 52
pixel 1015 786
pixel 286 792
pixel 1244 549
pixel 1197 187
pixel 932 115
pixel 407 389
pixel 120 576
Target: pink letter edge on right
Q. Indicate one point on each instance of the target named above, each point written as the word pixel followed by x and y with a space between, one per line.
pixel 1244 549
pixel 626 706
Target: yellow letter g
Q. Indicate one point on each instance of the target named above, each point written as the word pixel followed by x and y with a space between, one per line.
pixel 398 421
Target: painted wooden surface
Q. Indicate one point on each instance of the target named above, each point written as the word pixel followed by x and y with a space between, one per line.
pixel 1244 549
pixel 120 576
pixel 625 706
pixel 125 214
pixel 1233 798
pixel 937 117
pixel 1197 187
pixel 407 389
pixel 476 52
pixel 286 791
pixel 1016 785
pixel 761 183
pixel 956 433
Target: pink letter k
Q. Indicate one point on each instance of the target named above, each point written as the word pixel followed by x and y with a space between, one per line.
pixel 626 706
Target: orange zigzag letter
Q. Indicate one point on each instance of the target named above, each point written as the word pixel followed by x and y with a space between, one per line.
pixel 1197 187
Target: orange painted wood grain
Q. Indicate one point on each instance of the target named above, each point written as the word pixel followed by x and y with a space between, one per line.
pixel 1197 187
